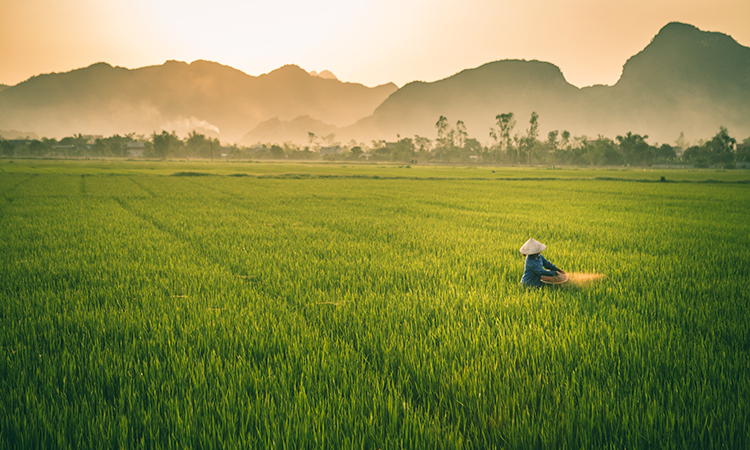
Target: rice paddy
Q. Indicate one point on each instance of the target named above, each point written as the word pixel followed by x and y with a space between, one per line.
pixel 198 305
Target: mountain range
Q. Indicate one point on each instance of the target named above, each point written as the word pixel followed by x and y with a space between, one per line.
pixel 204 96
pixel 685 80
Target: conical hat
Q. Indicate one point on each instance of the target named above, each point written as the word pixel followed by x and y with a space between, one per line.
pixel 532 247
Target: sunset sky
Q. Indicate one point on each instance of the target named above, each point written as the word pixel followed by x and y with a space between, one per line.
pixel 365 41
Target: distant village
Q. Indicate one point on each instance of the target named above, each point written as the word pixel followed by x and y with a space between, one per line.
pixel 452 145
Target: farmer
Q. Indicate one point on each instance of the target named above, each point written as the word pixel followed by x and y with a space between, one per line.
pixel 535 265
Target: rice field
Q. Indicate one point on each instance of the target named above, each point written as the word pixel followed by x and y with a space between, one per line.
pixel 219 305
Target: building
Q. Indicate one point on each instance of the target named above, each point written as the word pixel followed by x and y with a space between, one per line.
pixel 91 138
pixel 325 151
pixel 134 149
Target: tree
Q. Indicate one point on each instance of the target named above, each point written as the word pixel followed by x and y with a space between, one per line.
pixel 381 150
pixel 552 140
pixel 422 146
pixel 600 151
pixel 743 151
pixel 277 152
pixel 77 141
pixel 198 145
pixel 356 152
pixel 696 155
pixel 117 145
pixel 666 152
pixel 442 135
pixel 37 148
pixel 681 143
pixel 49 144
pixel 472 147
pixel 526 149
pixel 310 140
pixel 165 143
pixel 442 126
pixel 720 149
pixel 8 148
pixel 290 148
pixel 533 131
pixel 461 134
pixel 505 124
pixel 565 142
pixel 403 150
pixel 99 148
pixel 634 148
pixel 330 140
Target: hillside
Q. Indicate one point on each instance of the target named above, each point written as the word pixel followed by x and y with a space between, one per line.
pixel 279 131
pixel 203 95
pixel 16 134
pixel 474 96
pixel 685 80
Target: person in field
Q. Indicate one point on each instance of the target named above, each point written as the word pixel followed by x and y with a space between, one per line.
pixel 536 265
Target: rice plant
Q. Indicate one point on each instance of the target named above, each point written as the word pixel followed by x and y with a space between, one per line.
pixel 329 306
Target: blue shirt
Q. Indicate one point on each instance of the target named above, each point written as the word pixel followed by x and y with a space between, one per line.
pixel 534 271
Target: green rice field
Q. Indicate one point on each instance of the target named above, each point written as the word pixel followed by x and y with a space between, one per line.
pixel 284 306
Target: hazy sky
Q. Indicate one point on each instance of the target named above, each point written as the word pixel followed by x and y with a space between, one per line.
pixel 366 41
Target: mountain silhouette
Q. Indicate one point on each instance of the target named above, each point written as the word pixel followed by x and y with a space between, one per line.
pixel 296 131
pixel 327 74
pixel 206 96
pixel 474 96
pixel 685 80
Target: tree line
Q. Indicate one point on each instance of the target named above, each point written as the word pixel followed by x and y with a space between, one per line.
pixel 452 144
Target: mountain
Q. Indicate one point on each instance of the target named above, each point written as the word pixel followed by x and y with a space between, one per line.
pixel 685 80
pixel 327 74
pixel 205 96
pixel 15 134
pixel 296 131
pixel 474 96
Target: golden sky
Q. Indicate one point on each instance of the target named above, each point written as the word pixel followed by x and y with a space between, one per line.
pixel 365 41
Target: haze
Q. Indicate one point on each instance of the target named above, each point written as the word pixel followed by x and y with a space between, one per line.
pixel 370 42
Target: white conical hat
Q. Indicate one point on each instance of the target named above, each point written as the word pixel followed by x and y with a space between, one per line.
pixel 532 247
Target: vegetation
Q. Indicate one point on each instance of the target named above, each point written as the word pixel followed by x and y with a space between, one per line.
pixel 452 145
pixel 369 306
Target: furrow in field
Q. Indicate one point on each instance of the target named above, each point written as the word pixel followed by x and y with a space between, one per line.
pixel 372 312
pixel 204 253
pixel 10 190
pixel 145 217
pixel 141 186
